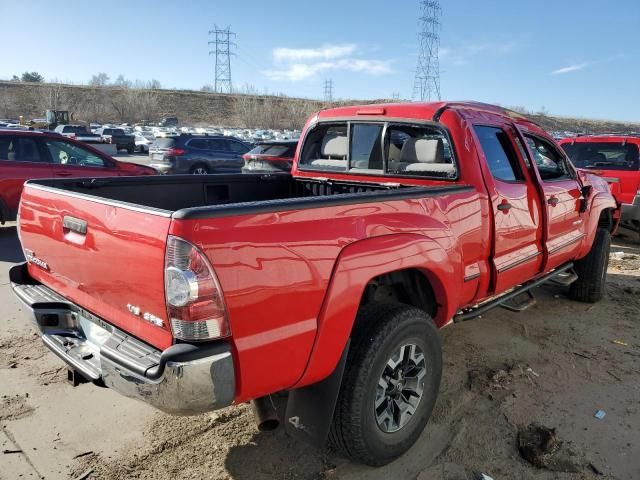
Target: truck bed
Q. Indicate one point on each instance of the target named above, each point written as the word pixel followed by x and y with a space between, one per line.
pixel 193 196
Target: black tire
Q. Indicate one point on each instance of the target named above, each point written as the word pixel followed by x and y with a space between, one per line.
pixel 130 150
pixel 381 329
pixel 199 169
pixel 592 270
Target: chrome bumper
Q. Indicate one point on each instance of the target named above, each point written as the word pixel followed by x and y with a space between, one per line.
pixel 631 212
pixel 184 379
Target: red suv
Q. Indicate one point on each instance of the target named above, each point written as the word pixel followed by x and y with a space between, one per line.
pixel 617 159
pixel 34 154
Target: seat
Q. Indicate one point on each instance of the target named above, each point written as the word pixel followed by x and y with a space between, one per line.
pixel 424 155
pixel 333 152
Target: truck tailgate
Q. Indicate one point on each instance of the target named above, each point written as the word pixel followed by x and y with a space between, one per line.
pixel 111 270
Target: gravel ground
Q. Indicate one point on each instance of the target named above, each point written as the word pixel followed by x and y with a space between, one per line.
pixel 552 366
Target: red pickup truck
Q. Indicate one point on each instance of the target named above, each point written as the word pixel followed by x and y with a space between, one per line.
pixel 33 154
pixel 194 293
pixel 616 158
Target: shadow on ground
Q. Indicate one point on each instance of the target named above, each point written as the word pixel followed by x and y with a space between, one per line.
pixel 10 250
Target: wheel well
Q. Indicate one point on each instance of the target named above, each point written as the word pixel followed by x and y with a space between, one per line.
pixel 408 286
pixel 606 219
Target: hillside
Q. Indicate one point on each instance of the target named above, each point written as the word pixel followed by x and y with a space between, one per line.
pixel 116 104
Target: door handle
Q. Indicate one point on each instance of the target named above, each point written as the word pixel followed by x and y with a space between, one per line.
pixel 504 206
pixel 553 201
pixel 63 174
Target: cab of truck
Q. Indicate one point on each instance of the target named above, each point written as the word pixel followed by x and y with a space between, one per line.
pixel 616 158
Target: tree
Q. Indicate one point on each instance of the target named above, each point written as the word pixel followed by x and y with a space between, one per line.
pixel 32 77
pixel 155 84
pixel 99 80
pixel 207 88
pixel 54 97
pixel 15 78
pixel 7 104
pixel 122 82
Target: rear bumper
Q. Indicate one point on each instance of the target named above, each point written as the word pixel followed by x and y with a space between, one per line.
pixel 631 211
pixel 184 379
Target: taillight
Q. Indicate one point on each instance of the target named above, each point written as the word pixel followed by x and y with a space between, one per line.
pixel 175 152
pixel 195 304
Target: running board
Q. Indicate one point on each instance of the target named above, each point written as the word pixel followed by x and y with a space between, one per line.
pixel 514 306
pixel 565 279
pixel 501 300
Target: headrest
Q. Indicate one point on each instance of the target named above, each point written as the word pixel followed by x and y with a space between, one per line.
pixel 334 145
pixel 422 150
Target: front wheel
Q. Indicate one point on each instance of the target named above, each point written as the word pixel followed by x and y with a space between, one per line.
pixel 592 270
pixel 390 383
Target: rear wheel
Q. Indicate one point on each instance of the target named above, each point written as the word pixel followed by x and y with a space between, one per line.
pixel 199 169
pixel 130 149
pixel 390 383
pixel 592 270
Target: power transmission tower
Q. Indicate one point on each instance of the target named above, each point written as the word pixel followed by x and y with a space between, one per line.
pixel 328 91
pixel 426 85
pixel 222 52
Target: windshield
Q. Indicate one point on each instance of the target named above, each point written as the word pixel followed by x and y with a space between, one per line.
pixel 604 155
pixel 74 129
pixel 164 142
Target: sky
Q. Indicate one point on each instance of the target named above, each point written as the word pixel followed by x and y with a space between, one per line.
pixel 570 57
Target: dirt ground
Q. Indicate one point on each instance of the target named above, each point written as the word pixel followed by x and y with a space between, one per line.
pixel 554 365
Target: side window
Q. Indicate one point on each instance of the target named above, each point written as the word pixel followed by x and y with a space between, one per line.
pixel 237 147
pixel 365 146
pixel 199 143
pixel 418 151
pixel 67 154
pixel 8 147
pixel 551 164
pixel 501 159
pixel 27 150
pixel 217 145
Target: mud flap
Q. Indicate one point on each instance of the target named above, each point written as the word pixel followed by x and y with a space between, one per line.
pixel 310 409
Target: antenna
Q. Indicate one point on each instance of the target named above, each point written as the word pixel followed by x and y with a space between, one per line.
pixel 426 86
pixel 222 52
pixel 328 91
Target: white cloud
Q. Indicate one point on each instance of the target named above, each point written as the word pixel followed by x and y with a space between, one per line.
pixel 570 68
pixel 303 71
pixel 326 52
pixel 295 64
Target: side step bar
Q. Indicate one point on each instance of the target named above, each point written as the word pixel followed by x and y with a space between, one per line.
pixel 496 302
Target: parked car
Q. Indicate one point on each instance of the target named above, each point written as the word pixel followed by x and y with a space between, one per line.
pixel 270 157
pixel 169 122
pixel 78 132
pixel 33 154
pixel 118 137
pixel 197 293
pixel 142 142
pixel 197 154
pixel 617 159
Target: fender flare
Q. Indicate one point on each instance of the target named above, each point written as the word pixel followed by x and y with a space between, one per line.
pixel 598 203
pixel 364 260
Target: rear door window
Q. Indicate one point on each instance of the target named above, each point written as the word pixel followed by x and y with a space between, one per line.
pixel 199 143
pixel 499 154
pixel 237 147
pixel 217 145
pixel 21 149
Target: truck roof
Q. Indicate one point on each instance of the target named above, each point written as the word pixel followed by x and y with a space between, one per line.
pixel 431 111
pixel 603 137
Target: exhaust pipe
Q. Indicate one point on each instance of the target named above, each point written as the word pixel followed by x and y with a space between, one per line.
pixel 265 413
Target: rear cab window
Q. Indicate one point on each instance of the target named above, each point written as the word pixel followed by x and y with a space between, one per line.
pixel 274 150
pixel 620 155
pixel 379 148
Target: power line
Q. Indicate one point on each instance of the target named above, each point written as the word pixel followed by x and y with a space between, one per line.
pixel 426 85
pixel 222 69
pixel 328 91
